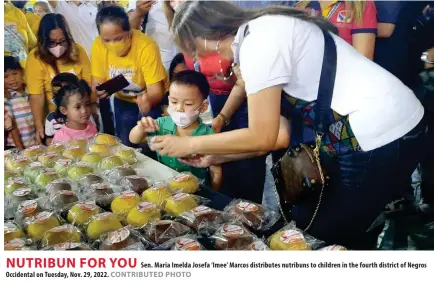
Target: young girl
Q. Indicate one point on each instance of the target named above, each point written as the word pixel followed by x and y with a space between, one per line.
pixel 74 104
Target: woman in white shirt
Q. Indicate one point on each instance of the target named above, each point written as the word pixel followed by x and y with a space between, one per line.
pixel 377 118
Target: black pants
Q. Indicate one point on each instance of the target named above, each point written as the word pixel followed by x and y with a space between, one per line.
pixel 361 185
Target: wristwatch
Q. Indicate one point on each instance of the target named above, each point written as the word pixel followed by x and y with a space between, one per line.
pixel 424 58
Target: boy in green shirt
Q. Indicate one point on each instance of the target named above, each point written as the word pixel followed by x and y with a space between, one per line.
pixel 187 100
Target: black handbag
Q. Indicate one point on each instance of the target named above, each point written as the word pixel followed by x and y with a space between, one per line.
pixel 298 173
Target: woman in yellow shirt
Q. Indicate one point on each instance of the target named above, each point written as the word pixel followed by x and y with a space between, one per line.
pixel 121 50
pixel 56 52
pixel 32 18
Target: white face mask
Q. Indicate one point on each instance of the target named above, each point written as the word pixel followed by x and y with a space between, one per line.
pixel 184 119
pixel 58 50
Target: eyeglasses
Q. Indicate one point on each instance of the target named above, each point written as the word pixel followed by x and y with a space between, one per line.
pixel 53 43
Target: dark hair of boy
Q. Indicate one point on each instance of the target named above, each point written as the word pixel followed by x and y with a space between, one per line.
pixel 113 14
pixel 64 78
pixel 193 78
pixel 178 59
pixel 19 4
pixel 12 63
pixel 61 98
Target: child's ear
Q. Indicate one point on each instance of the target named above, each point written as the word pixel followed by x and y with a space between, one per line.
pixel 204 106
pixel 63 110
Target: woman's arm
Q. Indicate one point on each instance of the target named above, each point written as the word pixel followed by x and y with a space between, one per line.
pixel 37 103
pixel 261 135
pixel 215 173
pixel 365 44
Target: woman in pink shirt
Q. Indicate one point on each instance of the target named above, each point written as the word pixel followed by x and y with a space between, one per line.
pixel 73 102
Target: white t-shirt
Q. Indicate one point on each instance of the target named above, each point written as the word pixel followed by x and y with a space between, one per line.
pixel 81 21
pixel 285 51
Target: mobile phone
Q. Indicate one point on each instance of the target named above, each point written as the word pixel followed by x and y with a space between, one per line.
pixel 114 85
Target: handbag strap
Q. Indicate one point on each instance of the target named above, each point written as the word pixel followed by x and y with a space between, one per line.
pixel 326 85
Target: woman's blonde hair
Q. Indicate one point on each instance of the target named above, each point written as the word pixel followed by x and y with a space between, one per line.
pixel 215 20
pixel 356 8
pixel 168 10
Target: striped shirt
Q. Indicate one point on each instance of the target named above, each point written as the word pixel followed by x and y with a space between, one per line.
pixel 19 107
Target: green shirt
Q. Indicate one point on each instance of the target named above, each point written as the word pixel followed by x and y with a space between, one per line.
pixel 168 127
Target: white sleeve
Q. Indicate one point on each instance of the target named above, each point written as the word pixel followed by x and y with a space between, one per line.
pixel 263 63
pixel 60 7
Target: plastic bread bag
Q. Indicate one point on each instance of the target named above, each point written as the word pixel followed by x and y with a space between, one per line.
pixel 123 203
pixel 107 139
pixel 121 239
pixel 142 214
pixel 78 170
pixel 12 231
pixel 253 215
pixel 80 214
pixel 8 174
pixel 32 170
pixel 232 236
pixel 44 177
pixel 135 183
pixel 60 200
pixel 19 245
pixel 10 153
pixel 102 192
pixel 110 162
pixel 92 159
pixel 104 150
pixel 157 193
pixel 333 248
pixel 13 200
pixel 188 242
pixel 292 238
pixel 89 179
pixel 101 224
pixel 68 246
pixel 257 245
pixel 48 159
pixel 26 209
pixel 16 164
pixel 62 234
pixel 80 142
pixel 60 185
pixel 203 219
pixel 62 166
pixel 182 202
pixel 14 183
pixel 127 154
pixel 116 174
pixel 184 182
pixel 74 152
pixel 162 231
pixel 36 226
pixel 56 147
pixel 34 151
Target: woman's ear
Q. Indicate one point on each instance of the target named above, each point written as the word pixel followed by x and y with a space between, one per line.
pixel 63 110
pixel 204 106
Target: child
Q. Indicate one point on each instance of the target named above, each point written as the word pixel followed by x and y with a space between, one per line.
pixel 187 99
pixel 23 134
pixel 74 105
pixel 53 123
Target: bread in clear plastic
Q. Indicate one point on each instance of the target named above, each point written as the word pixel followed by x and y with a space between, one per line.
pixel 143 213
pixel 292 238
pixel 232 236
pixel 124 202
pixel 37 225
pixel 182 202
pixel 184 182
pixel 101 224
pixel 161 231
pixel 135 183
pixel 61 234
pixel 157 193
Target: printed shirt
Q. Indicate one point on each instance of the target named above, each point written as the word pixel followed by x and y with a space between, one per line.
pixel 66 134
pixel 340 17
pixel 168 127
pixel 18 36
pixel 52 125
pixel 19 108
pixel 39 74
pixel 141 66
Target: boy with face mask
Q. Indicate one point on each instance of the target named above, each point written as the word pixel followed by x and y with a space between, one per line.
pixel 187 100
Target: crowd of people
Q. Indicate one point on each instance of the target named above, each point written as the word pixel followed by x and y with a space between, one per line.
pixel 259 67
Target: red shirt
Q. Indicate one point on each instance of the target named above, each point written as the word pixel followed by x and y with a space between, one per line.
pixel 337 15
pixel 210 67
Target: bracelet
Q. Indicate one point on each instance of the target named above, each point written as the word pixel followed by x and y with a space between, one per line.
pixel 424 58
pixel 225 118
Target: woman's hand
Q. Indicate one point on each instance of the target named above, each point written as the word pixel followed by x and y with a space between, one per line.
pixel 103 94
pixel 173 146
pixel 144 103
pixel 200 161
pixel 40 133
pixel 148 124
pixel 218 123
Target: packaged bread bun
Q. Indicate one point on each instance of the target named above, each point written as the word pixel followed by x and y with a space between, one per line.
pixel 92 159
pixel 62 166
pixel 10 153
pixel 107 139
pixel 81 213
pixel 203 217
pixel 32 171
pixel 122 239
pixel 12 231
pixel 26 209
pixel 79 170
pixel 89 179
pixel 61 234
pixel 17 244
pixel 257 245
pixel 124 202
pixel 157 193
pixel 162 231
pixel 48 159
pixel 253 215
pixel 80 142
pixel 102 149
pixel 128 155
pixel 34 151
pixel 102 193
pixel 333 247
pixel 17 164
pixel 110 162
pixel 56 147
pixel 15 183
pixel 116 174
pixel 292 238
pixel 182 202
pixel 8 174
pixel 37 225
pixel 58 186
pixel 101 224
pixel 184 182
pixel 187 243
pixel 61 199
pixel 12 201
pixel 135 183
pixel 74 152
pixel 143 213
pixel 68 246
pixel 46 176
pixel 232 236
